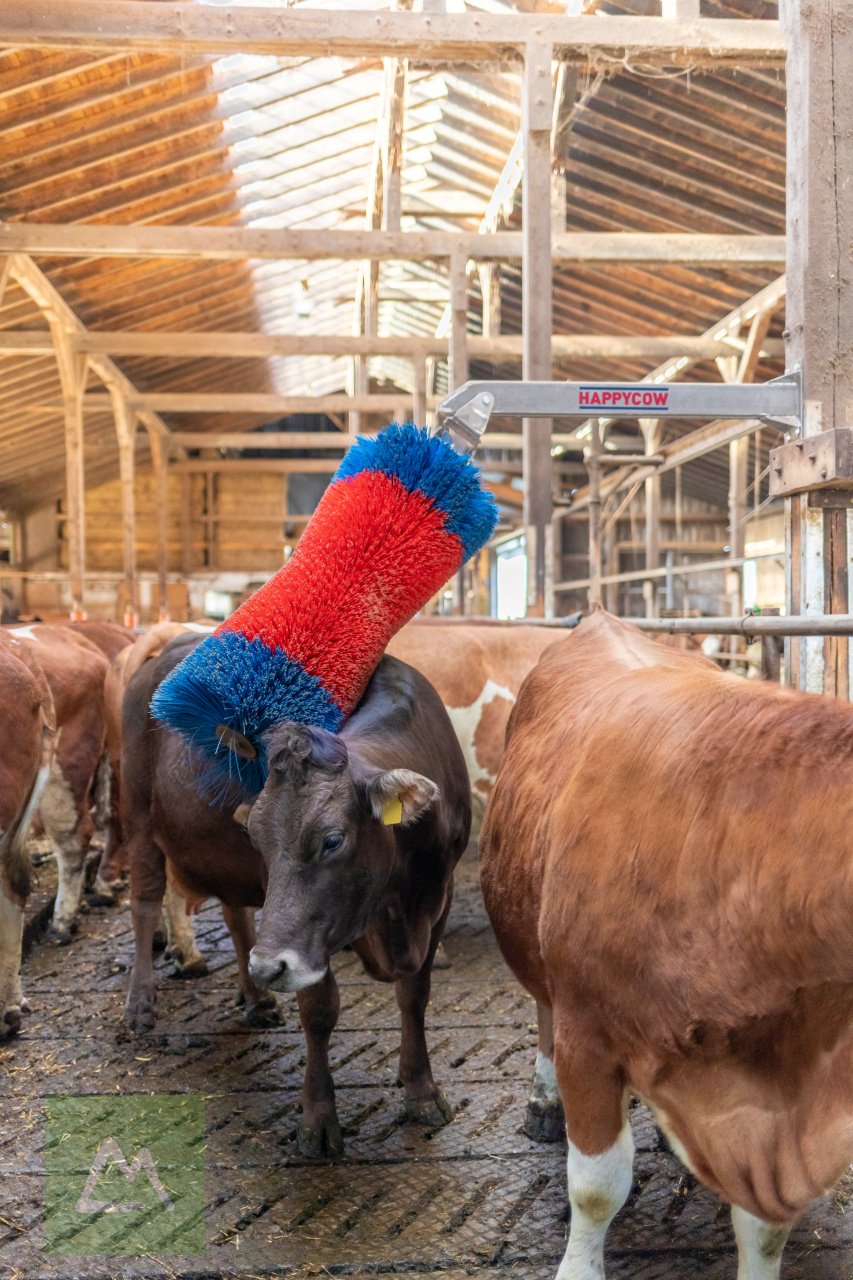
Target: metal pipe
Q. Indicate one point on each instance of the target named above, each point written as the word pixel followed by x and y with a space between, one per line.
pixel 679 570
pixel 750 625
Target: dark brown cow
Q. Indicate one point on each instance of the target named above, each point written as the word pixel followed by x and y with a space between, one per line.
pixel 26 726
pixel 332 872
pixel 666 859
pixel 75 670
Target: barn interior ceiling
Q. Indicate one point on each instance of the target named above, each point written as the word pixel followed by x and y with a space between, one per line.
pixel 151 139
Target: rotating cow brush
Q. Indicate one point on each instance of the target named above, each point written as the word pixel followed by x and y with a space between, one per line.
pixel 402 514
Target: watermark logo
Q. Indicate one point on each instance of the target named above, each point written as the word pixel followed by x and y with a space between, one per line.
pixel 124 1176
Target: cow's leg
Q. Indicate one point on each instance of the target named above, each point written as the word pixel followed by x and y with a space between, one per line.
pixel 600 1156
pixel 181 945
pixel 544 1120
pixel 147 887
pixel 759 1245
pixel 425 1101
pixel 260 1005
pixel 68 823
pixel 318 1132
pixel 11 929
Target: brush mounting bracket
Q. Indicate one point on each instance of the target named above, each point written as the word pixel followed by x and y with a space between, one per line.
pixel 466 413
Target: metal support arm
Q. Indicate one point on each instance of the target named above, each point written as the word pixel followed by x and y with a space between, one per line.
pixel 466 412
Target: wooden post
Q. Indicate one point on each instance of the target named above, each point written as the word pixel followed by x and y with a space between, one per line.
pixel 419 411
pixel 458 351
pixel 819 316
pixel 536 291
pixel 125 425
pixel 72 377
pixel 490 293
pixel 159 463
pixel 738 508
pixel 186 526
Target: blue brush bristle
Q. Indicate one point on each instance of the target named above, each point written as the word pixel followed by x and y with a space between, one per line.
pixel 429 464
pixel 229 680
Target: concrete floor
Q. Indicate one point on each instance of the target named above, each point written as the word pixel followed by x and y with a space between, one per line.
pixel 475 1199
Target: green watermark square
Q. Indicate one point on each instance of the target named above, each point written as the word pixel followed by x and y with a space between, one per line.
pixel 124 1175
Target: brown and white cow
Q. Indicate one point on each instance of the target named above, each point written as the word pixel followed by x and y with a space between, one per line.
pixel 477 669
pixel 666 860
pixel 26 726
pixel 354 840
pixel 75 670
pixel 182 945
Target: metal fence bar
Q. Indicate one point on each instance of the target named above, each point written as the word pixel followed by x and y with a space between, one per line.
pixel 676 570
pixel 750 625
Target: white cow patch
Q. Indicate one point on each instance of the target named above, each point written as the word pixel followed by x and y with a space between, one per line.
pixel 598 1187
pixel 759 1245
pixel 466 720
pixel 23 633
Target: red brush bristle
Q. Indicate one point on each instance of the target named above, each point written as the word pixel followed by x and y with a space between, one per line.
pixel 372 555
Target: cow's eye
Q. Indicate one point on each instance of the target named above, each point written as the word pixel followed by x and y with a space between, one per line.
pixel 331 843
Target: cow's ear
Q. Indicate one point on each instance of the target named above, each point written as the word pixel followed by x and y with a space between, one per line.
pixel 399 796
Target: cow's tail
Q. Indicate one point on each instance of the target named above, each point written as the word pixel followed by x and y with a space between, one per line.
pixel 14 857
pixel 103 791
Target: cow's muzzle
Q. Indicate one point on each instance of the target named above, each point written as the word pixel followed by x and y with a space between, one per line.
pixel 282 970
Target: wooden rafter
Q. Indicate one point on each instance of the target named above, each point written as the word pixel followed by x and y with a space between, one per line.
pixel 469 37
pixel 236 243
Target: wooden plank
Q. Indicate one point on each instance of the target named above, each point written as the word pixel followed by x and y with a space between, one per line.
pixel 72 376
pixel 258 466
pixel 337 440
pixel 500 39
pixel 255 402
pixel 458 349
pixel 125 430
pixel 240 346
pixel 160 467
pixel 836 594
pixel 537 104
pixel 819 324
pixel 82 240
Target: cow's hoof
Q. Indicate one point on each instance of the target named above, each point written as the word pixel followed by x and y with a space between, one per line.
pixel 441 960
pixel 59 935
pixel 263 1012
pixel 320 1139
pixel 433 1111
pixel 139 1015
pixel 195 969
pixel 11 1023
pixel 544 1123
pixel 97 898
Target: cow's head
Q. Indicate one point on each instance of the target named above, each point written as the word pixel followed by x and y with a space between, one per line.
pixel 323 825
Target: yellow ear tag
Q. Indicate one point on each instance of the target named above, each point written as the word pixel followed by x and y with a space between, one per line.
pixel 392 811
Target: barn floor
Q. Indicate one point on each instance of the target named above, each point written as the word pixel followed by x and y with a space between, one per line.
pixel 475 1199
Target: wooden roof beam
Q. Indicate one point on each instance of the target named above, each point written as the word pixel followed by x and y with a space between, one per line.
pixel 254 402
pixel 203 345
pixel 236 243
pixel 497 38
